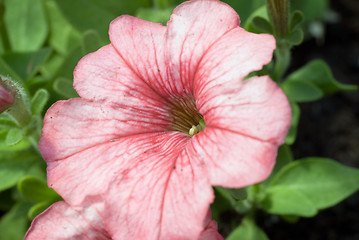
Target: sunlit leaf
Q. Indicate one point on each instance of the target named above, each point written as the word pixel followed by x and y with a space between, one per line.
pixel 317 73
pixel 285 200
pixel 324 182
pixel 284 157
pixel 302 91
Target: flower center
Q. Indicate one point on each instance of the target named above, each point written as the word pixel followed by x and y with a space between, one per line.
pixel 185 116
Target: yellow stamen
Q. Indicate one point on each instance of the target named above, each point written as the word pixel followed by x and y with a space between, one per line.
pixel 193 130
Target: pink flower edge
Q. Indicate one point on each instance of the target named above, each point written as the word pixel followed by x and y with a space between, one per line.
pixel 62 222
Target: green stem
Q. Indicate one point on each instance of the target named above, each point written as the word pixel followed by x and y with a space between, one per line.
pixel 282 60
pixel 278 13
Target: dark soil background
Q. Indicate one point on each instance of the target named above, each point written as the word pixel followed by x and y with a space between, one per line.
pixel 329 128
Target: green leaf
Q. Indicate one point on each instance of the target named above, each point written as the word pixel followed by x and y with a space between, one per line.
pixel 318 73
pixel 290 218
pixel 14 224
pixel 296 19
pixel 2 47
pixel 63 36
pixel 68 65
pixel 237 194
pixel 312 10
pixel 25 143
pixel 295 37
pixel 284 157
pixel 155 15
pixel 7 71
pixel 27 64
pixel 85 15
pixel 292 133
pixel 7 122
pixel 222 203
pixel 14 136
pixel 262 25
pixel 287 201
pixel 122 7
pixel 245 8
pixel 91 41
pixel 37 209
pixel 229 200
pixel 52 66
pixel 36 190
pixel 162 3
pixel 39 101
pixel 260 12
pixel 13 166
pixel 301 91
pixel 97 14
pixel 63 86
pixel 26 24
pixel 248 230
pixel 323 181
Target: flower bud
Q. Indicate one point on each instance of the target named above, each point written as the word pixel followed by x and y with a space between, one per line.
pixel 6 99
pixel 14 98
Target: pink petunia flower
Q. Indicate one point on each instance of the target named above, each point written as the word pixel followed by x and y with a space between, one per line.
pixel 6 99
pixel 61 221
pixel 135 138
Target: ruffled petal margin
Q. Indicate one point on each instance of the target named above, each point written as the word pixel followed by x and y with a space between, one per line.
pixel 62 222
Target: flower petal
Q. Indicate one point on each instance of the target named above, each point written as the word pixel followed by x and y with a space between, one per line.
pixel 89 171
pixel 211 233
pixel 62 222
pixel 232 160
pixel 162 196
pixel 103 75
pixel 256 108
pixel 75 125
pixel 141 45
pixel 193 28
pixel 229 60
